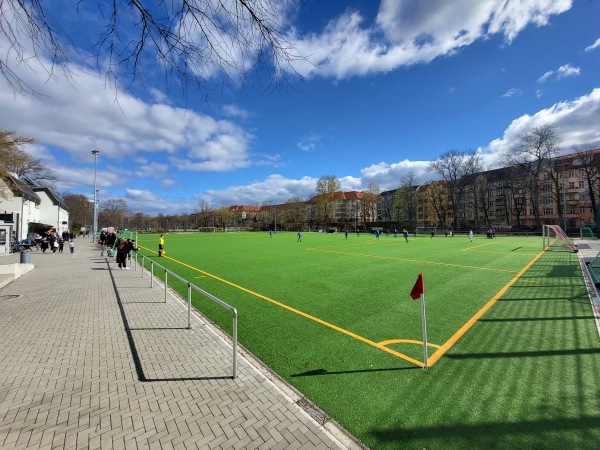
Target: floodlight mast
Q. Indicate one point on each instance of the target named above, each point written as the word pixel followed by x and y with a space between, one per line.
pixel 95 153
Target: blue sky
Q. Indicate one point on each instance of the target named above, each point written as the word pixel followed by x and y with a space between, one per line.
pixel 387 87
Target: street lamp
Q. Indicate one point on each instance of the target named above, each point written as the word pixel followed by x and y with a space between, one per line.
pixel 95 153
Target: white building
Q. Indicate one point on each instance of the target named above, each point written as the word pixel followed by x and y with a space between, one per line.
pixel 25 209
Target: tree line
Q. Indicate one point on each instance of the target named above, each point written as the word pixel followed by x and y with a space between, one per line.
pixel 464 184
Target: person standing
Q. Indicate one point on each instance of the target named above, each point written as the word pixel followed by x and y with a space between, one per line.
pixel 122 255
pixel 71 246
pixel 405 234
pixel 299 236
pixel 161 245
pixel 471 235
pixel 61 244
pixel 346 233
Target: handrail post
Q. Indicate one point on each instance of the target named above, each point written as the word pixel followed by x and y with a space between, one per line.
pixel 151 273
pixel 166 284
pixel 234 339
pixel 189 325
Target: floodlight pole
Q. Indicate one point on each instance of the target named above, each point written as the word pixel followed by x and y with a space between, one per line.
pixel 95 153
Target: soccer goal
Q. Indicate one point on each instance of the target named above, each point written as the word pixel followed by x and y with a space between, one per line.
pixel 232 229
pixel 555 239
pixel 426 231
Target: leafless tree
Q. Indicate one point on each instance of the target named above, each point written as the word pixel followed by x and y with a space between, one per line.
pixel 294 212
pixel 368 205
pixel 112 212
pixel 455 168
pixel 438 198
pixel 15 160
pixel 224 216
pixel 193 40
pixel 532 154
pixel 326 189
pixel 81 211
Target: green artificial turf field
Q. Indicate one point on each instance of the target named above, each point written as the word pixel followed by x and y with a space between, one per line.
pixel 514 352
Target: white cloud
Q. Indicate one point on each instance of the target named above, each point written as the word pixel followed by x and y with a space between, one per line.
pixel 564 71
pixel 576 122
pixel 545 76
pixel 309 143
pixel 568 71
pixel 511 92
pixel 144 200
pixel 414 31
pixel 275 188
pixel 85 114
pixel 595 45
pixel 235 112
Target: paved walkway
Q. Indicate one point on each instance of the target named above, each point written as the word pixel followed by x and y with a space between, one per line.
pixel 91 357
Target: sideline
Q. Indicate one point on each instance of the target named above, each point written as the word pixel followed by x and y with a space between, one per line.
pixel 441 350
pixel 379 345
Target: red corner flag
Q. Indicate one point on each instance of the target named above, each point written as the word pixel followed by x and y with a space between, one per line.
pixel 418 288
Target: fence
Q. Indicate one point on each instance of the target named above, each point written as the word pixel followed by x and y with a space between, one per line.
pixel 191 287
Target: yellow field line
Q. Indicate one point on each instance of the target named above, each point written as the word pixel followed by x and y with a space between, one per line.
pixel 460 333
pixel 441 350
pixel 380 346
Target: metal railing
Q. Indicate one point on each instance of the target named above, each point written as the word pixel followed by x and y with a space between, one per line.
pixel 191 286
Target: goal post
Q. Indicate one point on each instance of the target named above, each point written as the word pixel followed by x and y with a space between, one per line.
pixel 555 239
pixel 426 231
pixel 232 229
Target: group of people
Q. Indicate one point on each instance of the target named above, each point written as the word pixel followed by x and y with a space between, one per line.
pixel 55 242
pixel 107 238
pixel 124 248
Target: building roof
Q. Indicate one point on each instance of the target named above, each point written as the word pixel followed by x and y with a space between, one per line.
pixel 21 189
pixel 53 196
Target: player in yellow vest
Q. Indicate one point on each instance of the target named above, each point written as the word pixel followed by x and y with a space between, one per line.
pixel 161 245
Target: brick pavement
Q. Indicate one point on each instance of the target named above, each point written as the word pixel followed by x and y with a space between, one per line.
pixel 91 357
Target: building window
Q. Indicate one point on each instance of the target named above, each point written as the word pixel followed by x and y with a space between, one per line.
pixel 581 184
pixel 571 210
pixel 581 209
pixel 571 185
pixel 548 211
pixel 547 199
pixel 581 174
pixel 571 173
pixel 547 188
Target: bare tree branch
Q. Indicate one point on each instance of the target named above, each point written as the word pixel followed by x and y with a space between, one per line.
pixel 194 41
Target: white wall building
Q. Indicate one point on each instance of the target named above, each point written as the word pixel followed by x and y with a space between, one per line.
pixel 25 209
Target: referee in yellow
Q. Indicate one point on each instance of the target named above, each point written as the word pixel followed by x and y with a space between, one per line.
pixel 161 245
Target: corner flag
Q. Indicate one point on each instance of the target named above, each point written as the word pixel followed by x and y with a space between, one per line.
pixel 418 291
pixel 418 288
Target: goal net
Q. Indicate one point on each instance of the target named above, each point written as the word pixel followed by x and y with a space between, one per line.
pixel 555 239
pixel 231 229
pixel 426 230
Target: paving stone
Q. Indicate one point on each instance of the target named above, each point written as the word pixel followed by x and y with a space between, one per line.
pixel 93 358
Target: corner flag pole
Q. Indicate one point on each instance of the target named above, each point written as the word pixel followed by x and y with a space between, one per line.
pixel 418 291
pixel 424 326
